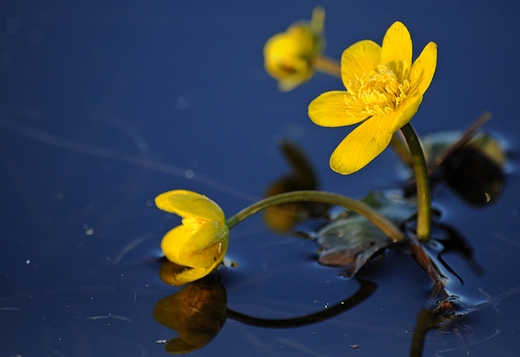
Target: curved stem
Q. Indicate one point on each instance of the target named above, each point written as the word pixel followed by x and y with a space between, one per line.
pixel 371 214
pixel 424 206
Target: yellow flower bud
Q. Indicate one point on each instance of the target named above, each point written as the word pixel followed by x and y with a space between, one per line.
pixel 201 242
pixel 289 56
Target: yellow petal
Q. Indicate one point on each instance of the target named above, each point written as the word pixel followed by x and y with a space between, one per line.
pixel 281 53
pixel 286 85
pixel 189 204
pixel 169 271
pixel 175 274
pixel 190 275
pixel 361 57
pixel 361 146
pixel 330 109
pixel 405 112
pixel 172 243
pixel 206 246
pixel 422 70
pixel 397 48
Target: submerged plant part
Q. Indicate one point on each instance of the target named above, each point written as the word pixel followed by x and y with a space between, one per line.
pixel 289 56
pixel 201 242
pixel 384 91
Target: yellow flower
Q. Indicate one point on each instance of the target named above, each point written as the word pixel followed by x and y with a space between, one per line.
pixel 201 242
pixel 288 56
pixel 384 91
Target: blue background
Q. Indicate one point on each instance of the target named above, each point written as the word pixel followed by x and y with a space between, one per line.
pixel 104 105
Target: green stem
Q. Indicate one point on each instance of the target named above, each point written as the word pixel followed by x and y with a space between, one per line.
pixel 424 207
pixel 375 217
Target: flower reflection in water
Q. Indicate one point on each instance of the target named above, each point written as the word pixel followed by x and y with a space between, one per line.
pixel 196 313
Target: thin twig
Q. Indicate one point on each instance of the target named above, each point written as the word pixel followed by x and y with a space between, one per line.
pixel 466 136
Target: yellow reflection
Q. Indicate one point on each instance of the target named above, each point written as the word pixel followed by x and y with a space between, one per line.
pixel 196 313
pixel 282 218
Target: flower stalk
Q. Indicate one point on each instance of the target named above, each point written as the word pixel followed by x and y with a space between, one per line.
pixel 424 208
pixel 327 65
pixel 368 212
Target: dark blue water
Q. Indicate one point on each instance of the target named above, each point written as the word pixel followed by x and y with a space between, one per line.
pixel 104 105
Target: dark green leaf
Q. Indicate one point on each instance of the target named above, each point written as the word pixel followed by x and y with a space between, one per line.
pixel 351 241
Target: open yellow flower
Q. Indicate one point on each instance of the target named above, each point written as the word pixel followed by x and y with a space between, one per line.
pixel 384 91
pixel 289 56
pixel 201 242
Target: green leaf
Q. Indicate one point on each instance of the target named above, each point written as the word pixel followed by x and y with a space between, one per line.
pixel 350 241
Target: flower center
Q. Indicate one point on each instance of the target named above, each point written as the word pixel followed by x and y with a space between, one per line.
pixel 377 92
